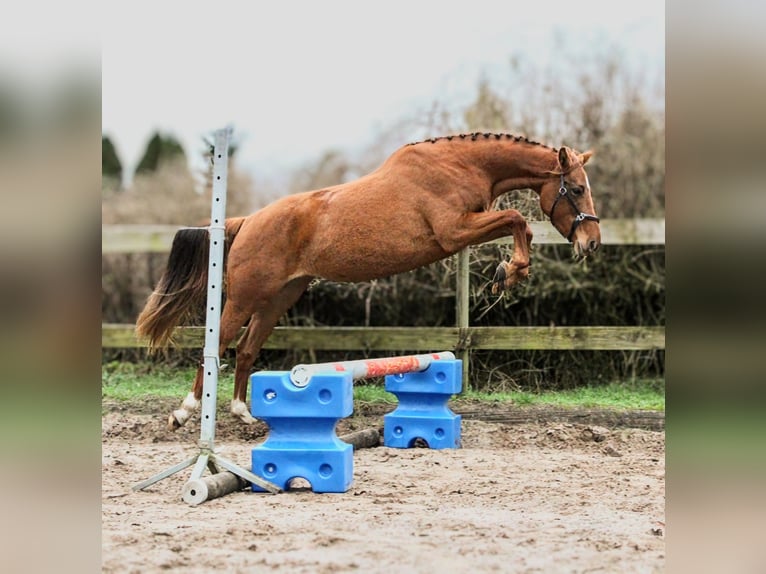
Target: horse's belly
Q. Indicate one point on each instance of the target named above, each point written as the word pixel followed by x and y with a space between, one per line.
pixel 365 259
pixel 360 236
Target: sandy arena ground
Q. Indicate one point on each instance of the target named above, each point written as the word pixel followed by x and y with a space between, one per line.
pixel 529 497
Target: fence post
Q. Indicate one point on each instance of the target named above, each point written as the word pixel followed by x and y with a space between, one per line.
pixel 462 302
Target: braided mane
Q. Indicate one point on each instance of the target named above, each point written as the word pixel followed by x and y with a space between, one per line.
pixel 483 136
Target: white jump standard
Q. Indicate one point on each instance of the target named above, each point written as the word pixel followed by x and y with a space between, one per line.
pixel 207 458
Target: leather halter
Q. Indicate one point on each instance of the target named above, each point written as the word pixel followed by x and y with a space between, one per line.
pixel 580 217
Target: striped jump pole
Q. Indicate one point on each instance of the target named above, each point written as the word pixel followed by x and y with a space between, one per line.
pixel 300 375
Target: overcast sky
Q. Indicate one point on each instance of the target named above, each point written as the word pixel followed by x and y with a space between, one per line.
pixel 297 78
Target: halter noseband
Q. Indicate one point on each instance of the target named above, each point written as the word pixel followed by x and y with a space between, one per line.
pixel 580 217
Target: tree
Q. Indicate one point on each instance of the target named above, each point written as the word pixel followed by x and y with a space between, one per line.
pixel 160 149
pixel 487 112
pixel 111 167
pixel 332 168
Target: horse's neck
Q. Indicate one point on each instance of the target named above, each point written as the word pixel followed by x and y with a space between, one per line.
pixel 514 165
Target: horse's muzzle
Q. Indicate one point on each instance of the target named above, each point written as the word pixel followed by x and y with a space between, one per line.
pixel 586 247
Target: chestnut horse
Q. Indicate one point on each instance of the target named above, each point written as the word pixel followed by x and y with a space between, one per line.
pixel 427 201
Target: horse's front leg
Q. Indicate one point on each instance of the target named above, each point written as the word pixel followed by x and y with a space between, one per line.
pixel 480 227
pixel 509 273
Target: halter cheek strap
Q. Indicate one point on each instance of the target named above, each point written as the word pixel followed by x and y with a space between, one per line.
pixel 579 218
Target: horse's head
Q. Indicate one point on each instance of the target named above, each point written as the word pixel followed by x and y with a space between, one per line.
pixel 567 200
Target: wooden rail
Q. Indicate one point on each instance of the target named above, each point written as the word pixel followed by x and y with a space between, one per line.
pixel 422 338
pixel 159 238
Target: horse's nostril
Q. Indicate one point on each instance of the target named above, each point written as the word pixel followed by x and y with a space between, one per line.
pixel 593 245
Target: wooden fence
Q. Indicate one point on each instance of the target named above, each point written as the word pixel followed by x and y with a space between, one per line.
pixel 462 338
pixel 159 238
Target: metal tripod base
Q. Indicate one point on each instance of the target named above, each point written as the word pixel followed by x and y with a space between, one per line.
pixel 214 462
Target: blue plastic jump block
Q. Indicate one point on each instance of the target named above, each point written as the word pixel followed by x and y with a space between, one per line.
pixel 422 411
pixel 302 440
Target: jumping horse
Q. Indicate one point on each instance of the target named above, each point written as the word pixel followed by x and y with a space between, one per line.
pixel 427 201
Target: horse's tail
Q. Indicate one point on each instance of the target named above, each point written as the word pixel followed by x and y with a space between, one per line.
pixel 183 286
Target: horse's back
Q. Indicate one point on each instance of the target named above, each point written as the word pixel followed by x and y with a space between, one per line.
pixel 375 226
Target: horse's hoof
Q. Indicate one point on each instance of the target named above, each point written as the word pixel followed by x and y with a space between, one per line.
pixel 508 274
pixel 173 423
pixel 178 418
pixel 239 410
pixel 498 281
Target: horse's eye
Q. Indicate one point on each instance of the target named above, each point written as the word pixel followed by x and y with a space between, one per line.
pixel 577 190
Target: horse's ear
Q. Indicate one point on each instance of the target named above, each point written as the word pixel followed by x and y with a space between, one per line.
pixel 564 158
pixel 584 157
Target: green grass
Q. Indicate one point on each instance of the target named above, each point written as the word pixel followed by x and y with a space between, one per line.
pixel 129 381
pixel 639 394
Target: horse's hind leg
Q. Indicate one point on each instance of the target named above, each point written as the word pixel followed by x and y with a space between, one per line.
pixel 231 320
pixel 261 325
pixel 247 350
pixel 190 404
